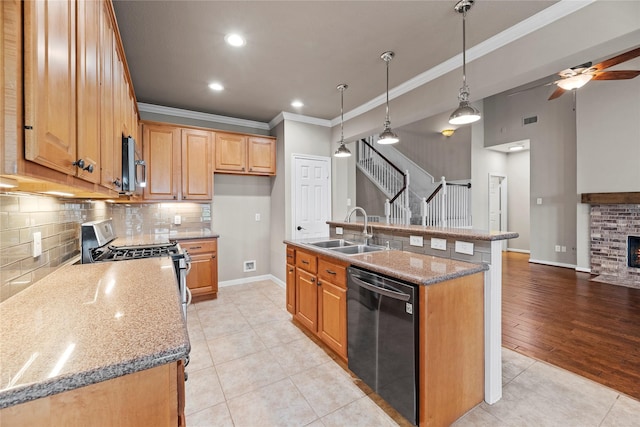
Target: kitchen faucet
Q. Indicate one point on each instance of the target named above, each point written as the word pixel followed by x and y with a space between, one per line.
pixel 364 230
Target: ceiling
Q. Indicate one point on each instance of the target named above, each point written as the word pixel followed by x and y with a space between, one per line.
pixel 295 50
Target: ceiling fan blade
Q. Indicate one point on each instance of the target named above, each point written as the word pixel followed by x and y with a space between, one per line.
pixel 616 75
pixel 623 57
pixel 557 93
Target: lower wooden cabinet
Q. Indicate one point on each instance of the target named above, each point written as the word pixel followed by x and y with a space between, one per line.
pixel 320 298
pixel 153 397
pixel 202 280
pixel 291 280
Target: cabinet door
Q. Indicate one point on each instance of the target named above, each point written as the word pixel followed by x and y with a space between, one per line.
pixel 161 147
pixel 203 275
pixel 332 317
pixel 230 152
pixel 197 170
pixel 261 156
pixel 109 170
pixel 291 289
pixel 88 89
pixel 50 83
pixel 306 299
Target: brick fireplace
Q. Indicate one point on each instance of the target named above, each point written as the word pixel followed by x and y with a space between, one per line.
pixel 614 230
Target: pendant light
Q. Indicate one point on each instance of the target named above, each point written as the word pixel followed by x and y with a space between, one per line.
pixel 387 136
pixel 465 113
pixel 342 150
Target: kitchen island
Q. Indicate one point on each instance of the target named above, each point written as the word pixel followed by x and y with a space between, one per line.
pixel 95 344
pixel 450 342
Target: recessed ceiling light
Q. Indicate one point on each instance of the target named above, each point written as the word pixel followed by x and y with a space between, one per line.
pixel 235 40
pixel 297 104
pixel 216 86
pixel 516 148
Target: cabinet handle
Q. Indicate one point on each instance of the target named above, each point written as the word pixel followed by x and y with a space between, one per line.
pixel 117 183
pixel 184 197
pixel 291 270
pixel 79 163
pixel 305 262
pixel 319 284
pixel 250 169
pixel 289 256
pixel 243 168
pixel 331 272
pixel 175 197
pixel 195 247
pixel 313 279
pixel 213 256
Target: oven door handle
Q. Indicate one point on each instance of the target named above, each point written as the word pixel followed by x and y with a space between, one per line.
pixel 188 295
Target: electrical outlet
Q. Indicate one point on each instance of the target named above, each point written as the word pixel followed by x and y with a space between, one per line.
pixel 563 249
pixel 416 241
pixel 37 244
pixel 339 231
pixel 257 217
pixel 177 220
pixel 464 247
pixel 539 200
pixel 440 244
pixel 557 248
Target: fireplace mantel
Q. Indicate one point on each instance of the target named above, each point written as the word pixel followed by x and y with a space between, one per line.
pixel 631 198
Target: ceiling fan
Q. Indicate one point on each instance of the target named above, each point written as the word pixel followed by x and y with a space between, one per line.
pixel 578 76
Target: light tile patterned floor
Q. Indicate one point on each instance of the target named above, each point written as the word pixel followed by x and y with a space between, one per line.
pixel 250 366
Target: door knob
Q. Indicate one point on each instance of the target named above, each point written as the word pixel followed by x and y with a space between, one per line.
pixel 300 228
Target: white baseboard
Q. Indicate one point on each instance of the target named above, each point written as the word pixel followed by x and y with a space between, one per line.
pixel 583 270
pixel 252 279
pixel 520 251
pixel 551 263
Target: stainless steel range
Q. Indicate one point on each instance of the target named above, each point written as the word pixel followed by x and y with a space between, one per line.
pixel 96 237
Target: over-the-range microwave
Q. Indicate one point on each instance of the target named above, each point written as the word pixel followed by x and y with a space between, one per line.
pixel 131 180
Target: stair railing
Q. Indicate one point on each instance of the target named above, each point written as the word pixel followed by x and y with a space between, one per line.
pixel 393 182
pixel 448 207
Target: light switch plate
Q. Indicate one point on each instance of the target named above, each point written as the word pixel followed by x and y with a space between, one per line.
pixel 339 231
pixel 464 247
pixel 177 220
pixel 440 244
pixel 539 200
pixel 37 244
pixel 257 217
pixel 416 241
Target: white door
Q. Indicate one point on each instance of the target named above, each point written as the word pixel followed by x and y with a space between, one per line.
pixel 311 196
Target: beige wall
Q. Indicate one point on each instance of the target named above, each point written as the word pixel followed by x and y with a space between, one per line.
pixel 518 199
pixel 278 209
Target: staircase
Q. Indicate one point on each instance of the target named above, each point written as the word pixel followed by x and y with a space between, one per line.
pixel 426 201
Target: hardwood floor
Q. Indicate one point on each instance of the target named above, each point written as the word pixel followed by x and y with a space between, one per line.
pixel 558 316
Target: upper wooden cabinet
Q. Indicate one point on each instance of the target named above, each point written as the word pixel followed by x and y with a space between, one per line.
pixel 50 83
pixel 245 154
pixel 179 163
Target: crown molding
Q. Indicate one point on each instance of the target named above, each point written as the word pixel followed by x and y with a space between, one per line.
pixel 533 23
pixel 179 112
pixel 298 118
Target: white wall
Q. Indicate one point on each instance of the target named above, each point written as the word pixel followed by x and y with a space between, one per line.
pixel 608 145
pixel 518 199
pixel 483 163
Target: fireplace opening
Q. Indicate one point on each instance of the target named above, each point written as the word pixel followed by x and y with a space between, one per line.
pixel 633 251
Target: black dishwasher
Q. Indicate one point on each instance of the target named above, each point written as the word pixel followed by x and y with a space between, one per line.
pixel 382 319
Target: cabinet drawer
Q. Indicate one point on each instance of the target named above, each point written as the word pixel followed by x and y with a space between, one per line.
pixel 306 261
pixel 199 246
pixel 291 255
pixel 332 272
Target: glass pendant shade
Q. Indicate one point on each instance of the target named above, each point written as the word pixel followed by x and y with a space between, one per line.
pixel 575 82
pixel 342 150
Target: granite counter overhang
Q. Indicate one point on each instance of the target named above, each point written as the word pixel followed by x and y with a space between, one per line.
pixel 411 267
pixel 84 324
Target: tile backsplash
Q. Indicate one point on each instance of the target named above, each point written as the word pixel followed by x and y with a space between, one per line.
pixel 59 220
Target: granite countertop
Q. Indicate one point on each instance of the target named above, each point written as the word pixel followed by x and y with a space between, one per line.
pixel 415 268
pixel 87 323
pixel 462 233
pixel 163 238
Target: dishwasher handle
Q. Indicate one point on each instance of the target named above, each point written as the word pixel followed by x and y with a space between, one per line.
pixel 382 291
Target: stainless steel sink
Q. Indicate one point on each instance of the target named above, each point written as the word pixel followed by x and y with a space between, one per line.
pixel 358 249
pixel 329 244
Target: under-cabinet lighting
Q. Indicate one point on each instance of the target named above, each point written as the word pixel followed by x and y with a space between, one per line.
pixel 58 193
pixel 8 183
